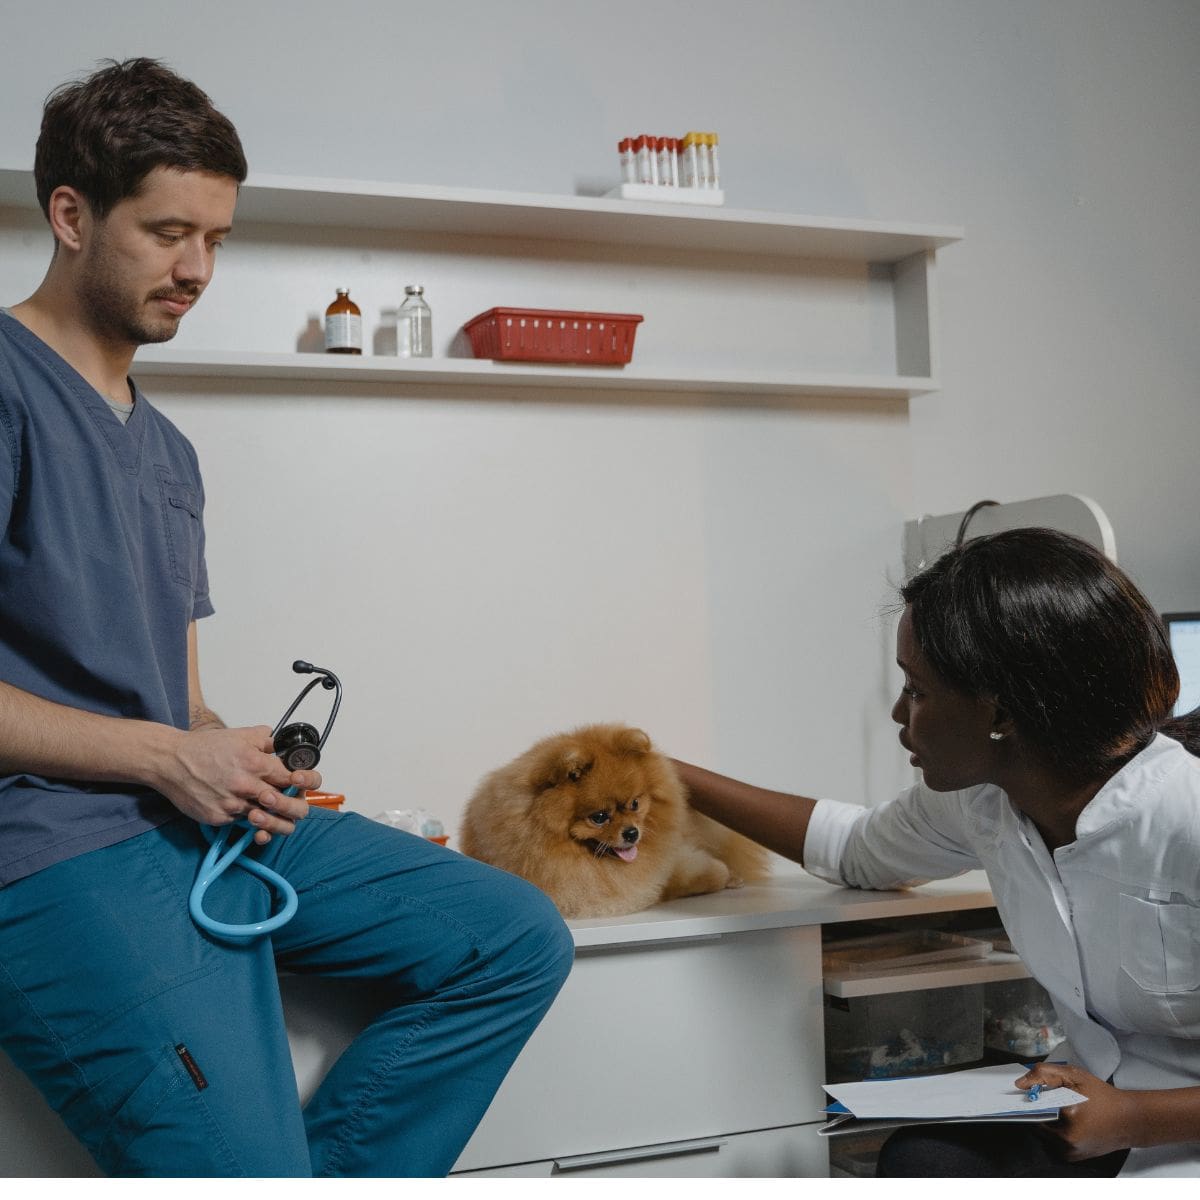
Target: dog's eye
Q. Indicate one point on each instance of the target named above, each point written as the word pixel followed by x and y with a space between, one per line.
pixel 599 818
pixel 633 806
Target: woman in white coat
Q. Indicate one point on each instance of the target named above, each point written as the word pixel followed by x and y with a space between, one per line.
pixel 1037 700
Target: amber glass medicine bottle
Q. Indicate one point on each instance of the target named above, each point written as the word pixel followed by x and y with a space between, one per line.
pixel 343 325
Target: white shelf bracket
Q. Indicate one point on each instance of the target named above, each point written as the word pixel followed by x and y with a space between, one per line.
pixel 913 281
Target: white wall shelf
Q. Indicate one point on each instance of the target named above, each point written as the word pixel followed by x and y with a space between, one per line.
pixel 382 372
pixel 359 204
pixel 905 252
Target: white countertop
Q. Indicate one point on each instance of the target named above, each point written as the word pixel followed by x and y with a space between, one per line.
pixel 783 902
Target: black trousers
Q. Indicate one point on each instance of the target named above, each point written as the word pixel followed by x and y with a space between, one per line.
pixel 983 1151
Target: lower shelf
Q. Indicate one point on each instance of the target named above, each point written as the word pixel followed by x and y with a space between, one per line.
pixel 992 968
pixel 474 373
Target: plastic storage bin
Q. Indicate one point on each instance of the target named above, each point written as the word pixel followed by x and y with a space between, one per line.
pixel 996 934
pixel 898 1033
pixel 885 952
pixel 550 335
pixel 1019 1019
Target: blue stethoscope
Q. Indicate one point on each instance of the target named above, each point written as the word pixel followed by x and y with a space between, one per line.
pixel 299 746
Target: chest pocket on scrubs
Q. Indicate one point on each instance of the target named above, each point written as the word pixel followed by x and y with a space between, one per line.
pixel 1160 944
pixel 181 524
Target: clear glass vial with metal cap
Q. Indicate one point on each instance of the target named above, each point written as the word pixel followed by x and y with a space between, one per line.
pixel 414 325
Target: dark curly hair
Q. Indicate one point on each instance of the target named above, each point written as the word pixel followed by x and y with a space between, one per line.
pixel 104 134
pixel 1060 636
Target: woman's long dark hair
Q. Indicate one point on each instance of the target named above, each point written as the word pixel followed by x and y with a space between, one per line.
pixel 1061 637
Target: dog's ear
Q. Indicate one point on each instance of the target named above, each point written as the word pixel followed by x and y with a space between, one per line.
pixel 558 764
pixel 631 741
pixel 576 766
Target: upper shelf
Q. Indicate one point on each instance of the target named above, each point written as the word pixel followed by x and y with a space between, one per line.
pixel 427 209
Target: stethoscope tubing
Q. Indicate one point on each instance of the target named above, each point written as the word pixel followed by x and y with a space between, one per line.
pixel 220 857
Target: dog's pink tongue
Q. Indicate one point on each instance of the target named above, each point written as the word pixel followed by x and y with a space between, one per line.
pixel 626 853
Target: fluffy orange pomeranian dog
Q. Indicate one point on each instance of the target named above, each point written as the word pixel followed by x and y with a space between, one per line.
pixel 599 820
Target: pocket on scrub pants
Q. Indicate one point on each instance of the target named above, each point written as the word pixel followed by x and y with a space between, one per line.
pixel 163 1127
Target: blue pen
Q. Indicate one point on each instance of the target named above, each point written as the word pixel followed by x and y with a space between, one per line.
pixel 1035 1091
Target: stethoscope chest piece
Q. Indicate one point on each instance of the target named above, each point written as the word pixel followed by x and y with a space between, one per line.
pixel 299 746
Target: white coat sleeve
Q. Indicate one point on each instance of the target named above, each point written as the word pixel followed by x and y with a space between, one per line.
pixel 921 835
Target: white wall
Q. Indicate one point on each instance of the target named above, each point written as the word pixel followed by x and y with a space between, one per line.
pixel 481 572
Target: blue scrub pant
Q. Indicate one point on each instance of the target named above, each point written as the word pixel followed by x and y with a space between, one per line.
pixel 164 1049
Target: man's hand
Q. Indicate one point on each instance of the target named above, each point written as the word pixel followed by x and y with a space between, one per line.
pixel 1105 1123
pixel 216 776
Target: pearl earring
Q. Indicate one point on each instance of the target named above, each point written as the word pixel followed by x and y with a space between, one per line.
pixel 996 737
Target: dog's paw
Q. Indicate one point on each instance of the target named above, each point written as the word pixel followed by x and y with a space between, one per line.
pixel 735 881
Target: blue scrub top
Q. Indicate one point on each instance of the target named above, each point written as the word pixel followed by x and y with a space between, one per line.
pixel 101 572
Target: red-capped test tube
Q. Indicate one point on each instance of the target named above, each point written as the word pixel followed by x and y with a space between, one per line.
pixel 628 166
pixel 662 148
pixel 643 149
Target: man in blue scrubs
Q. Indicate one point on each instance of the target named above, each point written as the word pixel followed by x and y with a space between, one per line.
pixel 164 1048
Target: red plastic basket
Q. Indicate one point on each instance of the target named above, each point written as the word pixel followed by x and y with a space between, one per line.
pixel 550 335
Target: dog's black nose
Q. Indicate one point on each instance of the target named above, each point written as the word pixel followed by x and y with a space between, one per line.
pixel 629 835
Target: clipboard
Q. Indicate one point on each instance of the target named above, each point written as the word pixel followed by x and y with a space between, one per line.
pixel 981 1094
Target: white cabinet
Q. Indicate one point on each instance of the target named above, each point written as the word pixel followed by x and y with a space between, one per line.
pixel 739 303
pixel 688 1040
pixel 653 1044
pixel 675 1048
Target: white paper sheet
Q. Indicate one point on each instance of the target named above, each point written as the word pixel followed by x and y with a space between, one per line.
pixel 978 1093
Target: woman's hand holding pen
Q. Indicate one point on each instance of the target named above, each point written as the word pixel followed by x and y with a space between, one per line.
pixel 1105 1123
pixel 1115 1118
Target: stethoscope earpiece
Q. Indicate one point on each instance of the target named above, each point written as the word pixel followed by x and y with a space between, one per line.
pixel 289 739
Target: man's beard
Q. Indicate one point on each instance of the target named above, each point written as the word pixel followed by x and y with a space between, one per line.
pixel 115 313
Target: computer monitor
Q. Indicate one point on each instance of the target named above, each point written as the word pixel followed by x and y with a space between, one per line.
pixel 1184 632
